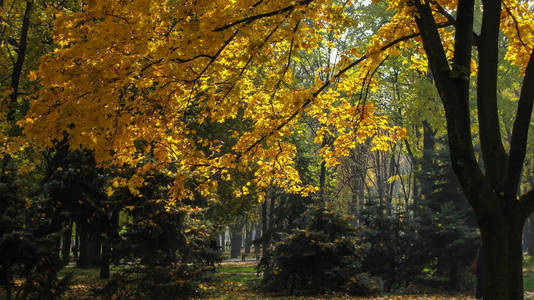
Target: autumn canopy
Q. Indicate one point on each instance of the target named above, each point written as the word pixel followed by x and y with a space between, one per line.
pixel 161 71
pixel 210 93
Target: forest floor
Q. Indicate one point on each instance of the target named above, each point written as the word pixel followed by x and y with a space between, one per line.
pixel 238 280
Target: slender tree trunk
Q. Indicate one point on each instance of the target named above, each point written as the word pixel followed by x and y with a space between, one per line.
pixel 322 182
pixel 17 68
pixel 390 186
pixel 76 249
pixel 353 204
pixel 257 231
pixel 264 234
pixel 427 163
pixel 223 240
pixel 272 206
pixel 248 238
pixel 379 185
pixel 65 250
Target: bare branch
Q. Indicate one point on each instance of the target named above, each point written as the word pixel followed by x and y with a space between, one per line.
pixel 250 19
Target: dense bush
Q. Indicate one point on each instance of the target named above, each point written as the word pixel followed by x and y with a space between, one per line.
pixel 165 251
pixel 320 255
pixel 28 243
pixel 395 254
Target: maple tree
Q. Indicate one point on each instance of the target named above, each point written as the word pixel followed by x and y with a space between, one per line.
pixel 153 71
pixel 124 76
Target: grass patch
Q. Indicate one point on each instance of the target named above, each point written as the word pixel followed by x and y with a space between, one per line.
pixel 237 269
pixel 528 283
pixel 528 273
pixel 237 273
pixel 239 278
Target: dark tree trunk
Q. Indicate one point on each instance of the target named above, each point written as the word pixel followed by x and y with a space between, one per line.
pixel 264 234
pixel 256 236
pixel 107 243
pixel 492 193
pixel 76 249
pixel 272 206
pixel 427 164
pixel 223 240
pixel 322 182
pixel 17 68
pixel 90 245
pixel 236 236
pixel 503 257
pixel 67 237
pixel 380 182
pixel 248 238
pixel 104 264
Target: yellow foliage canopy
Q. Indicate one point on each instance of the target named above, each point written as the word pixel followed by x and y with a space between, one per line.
pixel 159 71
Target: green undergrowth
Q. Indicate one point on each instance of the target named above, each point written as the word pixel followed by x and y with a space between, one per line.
pixel 528 273
pixel 241 281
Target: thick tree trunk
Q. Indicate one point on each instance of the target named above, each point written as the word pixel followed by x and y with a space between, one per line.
pixel 89 246
pixel 107 243
pixel 493 193
pixel 503 257
pixel 104 264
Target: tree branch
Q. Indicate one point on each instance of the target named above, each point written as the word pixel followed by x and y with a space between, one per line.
pixel 463 39
pixel 520 130
pixel 493 153
pixel 325 85
pixel 250 19
pixel 17 69
pixel 456 105
pixel 452 20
